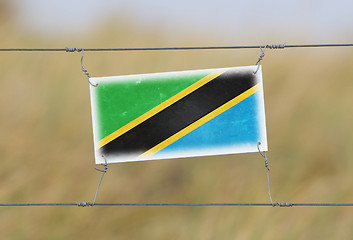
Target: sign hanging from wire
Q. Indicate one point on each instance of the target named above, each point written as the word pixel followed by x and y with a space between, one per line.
pixel 178 114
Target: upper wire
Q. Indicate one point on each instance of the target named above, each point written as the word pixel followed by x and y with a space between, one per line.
pixel 271 46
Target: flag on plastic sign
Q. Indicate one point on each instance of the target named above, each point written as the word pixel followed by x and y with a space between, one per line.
pixel 178 114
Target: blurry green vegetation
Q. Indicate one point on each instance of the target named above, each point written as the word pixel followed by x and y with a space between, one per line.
pixel 47 147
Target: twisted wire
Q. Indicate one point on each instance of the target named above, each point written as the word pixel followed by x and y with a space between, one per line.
pixel 270 46
pixel 82 67
pixel 263 154
pixel 88 204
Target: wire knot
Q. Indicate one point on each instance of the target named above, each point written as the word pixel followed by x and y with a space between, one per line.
pixel 283 204
pixel 84 204
pixel 103 170
pixel 67 49
pixel 276 46
pixel 267 164
pixel 261 55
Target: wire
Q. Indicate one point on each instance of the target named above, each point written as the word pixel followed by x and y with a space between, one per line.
pixel 87 204
pixel 36 204
pixel 263 154
pixel 284 204
pixel 103 172
pixel 273 46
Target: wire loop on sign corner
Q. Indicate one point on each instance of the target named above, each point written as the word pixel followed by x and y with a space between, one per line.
pixel 103 172
pixel 262 55
pixel 263 154
pixel 84 70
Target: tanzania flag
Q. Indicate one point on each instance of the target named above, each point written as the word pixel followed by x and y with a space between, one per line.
pixel 178 114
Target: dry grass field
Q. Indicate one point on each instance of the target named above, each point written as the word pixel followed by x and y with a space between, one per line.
pixel 46 146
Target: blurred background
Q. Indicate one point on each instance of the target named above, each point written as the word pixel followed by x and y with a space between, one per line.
pixel 46 135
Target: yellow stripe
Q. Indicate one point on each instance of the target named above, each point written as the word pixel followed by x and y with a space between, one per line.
pixel 200 122
pixel 158 108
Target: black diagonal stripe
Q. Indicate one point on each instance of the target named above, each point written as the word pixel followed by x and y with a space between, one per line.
pixel 181 114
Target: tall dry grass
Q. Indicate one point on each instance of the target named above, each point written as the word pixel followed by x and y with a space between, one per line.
pixel 47 150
